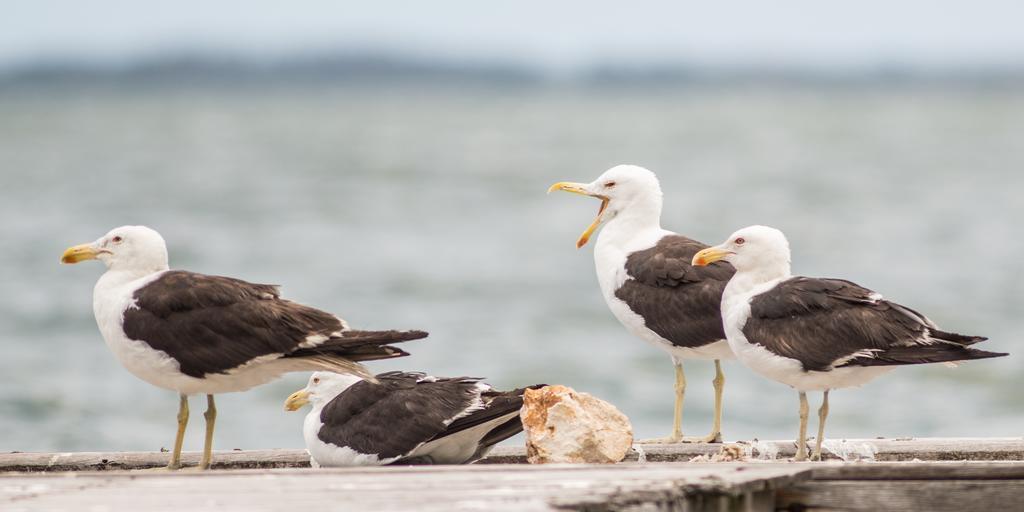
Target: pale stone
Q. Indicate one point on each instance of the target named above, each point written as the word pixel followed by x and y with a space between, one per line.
pixel 563 425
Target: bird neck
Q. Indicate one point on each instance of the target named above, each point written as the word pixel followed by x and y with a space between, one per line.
pixel 114 277
pixel 746 281
pixel 628 223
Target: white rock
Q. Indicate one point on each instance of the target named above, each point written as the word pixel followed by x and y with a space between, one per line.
pixel 563 425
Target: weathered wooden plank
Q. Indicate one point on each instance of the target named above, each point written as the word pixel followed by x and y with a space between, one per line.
pixel 933 449
pixel 931 470
pixel 928 449
pixel 908 449
pixel 931 495
pixel 579 487
pixel 99 461
pixel 627 486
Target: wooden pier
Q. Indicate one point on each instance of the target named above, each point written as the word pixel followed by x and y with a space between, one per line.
pixel 924 474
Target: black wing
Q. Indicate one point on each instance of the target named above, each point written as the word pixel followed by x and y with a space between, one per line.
pixel 496 405
pixel 394 416
pixel 212 324
pixel 828 323
pixel 680 302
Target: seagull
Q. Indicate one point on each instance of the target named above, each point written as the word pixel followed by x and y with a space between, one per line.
pixel 403 418
pixel 649 284
pixel 195 333
pixel 817 334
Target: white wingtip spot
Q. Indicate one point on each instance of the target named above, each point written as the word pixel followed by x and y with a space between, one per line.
pixel 344 324
pixel 313 340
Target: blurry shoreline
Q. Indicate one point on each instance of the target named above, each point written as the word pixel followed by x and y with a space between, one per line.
pixel 374 69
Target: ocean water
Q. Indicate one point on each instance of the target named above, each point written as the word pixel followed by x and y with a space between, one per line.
pixel 425 207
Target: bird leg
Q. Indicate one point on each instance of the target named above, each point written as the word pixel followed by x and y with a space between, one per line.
pixel 180 438
pixel 801 443
pixel 677 410
pixel 822 414
pixel 677 420
pixel 716 430
pixel 211 419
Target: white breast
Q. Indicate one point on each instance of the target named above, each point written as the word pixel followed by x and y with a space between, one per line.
pixel 111 297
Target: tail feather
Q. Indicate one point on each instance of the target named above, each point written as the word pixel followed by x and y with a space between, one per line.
pixel 499 434
pixel 359 346
pixel 499 403
pixel 959 339
pixel 378 337
pixel 938 353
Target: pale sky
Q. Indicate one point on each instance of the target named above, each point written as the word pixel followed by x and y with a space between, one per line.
pixel 555 34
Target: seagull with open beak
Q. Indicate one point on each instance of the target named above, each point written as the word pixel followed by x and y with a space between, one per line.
pixel 648 282
pixel 585 189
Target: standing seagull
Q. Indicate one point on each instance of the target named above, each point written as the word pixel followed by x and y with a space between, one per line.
pixel 404 418
pixel 649 284
pixel 195 333
pixel 819 334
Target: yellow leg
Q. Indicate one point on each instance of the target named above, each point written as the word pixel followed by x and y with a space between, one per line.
pixel 677 413
pixel 801 442
pixel 211 419
pixel 180 438
pixel 822 414
pixel 716 430
pixel 677 410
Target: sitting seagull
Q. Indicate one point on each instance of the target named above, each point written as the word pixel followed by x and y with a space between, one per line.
pixel 819 334
pixel 649 284
pixel 404 418
pixel 195 333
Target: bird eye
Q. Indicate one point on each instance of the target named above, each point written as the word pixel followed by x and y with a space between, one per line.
pixel 610 184
pixel 740 241
pixel 117 239
pixel 316 380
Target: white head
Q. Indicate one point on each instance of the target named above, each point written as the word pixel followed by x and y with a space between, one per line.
pixel 623 190
pixel 321 388
pixel 759 249
pixel 130 248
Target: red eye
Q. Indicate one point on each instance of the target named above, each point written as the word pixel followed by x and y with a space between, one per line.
pixel 740 241
pixel 117 239
pixel 610 184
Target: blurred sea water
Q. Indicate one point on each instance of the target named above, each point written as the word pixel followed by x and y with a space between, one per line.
pixel 424 207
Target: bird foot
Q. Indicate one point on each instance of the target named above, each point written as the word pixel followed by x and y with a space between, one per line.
pixel 801 456
pixel 710 438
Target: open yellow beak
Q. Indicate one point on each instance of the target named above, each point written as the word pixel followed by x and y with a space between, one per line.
pixel 709 256
pixel 580 188
pixel 79 253
pixel 296 400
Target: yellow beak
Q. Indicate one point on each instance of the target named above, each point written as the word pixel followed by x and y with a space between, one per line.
pixel 580 188
pixel 709 256
pixel 296 400
pixel 79 253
